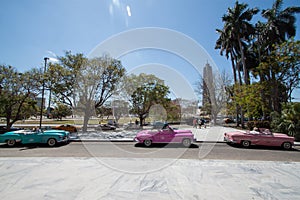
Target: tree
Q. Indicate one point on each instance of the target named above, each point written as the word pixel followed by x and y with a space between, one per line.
pixel 234 38
pixel 279 27
pixel 285 62
pixel 281 23
pixel 146 96
pixel 62 76
pixel 17 93
pixel 61 110
pixel 85 84
pixel 132 82
pixel 238 27
pixel 96 82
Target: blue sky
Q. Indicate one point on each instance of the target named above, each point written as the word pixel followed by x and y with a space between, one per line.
pixel 33 29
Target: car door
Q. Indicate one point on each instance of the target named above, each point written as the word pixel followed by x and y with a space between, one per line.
pixel 167 135
pixel 265 139
pixel 31 137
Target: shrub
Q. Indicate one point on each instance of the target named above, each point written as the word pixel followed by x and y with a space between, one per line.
pixel 258 124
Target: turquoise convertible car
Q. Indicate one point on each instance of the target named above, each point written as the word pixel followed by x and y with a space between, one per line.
pixel 50 137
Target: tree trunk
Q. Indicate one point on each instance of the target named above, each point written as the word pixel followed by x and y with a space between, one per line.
pixel 85 121
pixel 245 70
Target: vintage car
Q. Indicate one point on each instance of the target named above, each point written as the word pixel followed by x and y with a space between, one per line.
pixel 166 135
pixel 105 127
pixel 50 137
pixel 263 137
pixel 66 127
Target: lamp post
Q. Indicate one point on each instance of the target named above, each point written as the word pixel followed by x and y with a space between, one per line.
pixel 43 90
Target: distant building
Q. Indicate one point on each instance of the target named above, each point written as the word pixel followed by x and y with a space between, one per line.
pixel 208 89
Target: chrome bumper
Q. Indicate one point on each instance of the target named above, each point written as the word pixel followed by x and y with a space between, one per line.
pixel 229 140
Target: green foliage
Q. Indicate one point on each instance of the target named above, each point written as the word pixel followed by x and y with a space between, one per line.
pixel 17 93
pixel 61 111
pixel 289 120
pixel 284 61
pixel 248 97
pixel 258 124
pixel 62 77
pixel 132 82
pixel 147 95
pixel 268 51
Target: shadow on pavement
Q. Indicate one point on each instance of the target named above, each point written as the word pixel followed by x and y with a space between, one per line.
pixel 157 145
pixel 258 147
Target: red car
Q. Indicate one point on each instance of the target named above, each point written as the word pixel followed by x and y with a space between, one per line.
pixel 263 137
pixel 166 135
pixel 67 127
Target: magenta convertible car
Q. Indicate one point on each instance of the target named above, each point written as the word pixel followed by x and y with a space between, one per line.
pixel 263 137
pixel 166 135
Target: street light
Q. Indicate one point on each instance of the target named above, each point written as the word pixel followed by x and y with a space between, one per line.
pixel 43 90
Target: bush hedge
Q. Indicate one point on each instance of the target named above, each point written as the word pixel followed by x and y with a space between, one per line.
pixel 258 124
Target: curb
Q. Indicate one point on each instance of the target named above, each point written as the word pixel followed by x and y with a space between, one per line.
pixel 132 140
pixel 128 140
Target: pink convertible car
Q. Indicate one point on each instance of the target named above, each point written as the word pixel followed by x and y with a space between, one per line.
pixel 165 135
pixel 262 137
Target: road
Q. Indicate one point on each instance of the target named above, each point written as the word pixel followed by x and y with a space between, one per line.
pixel 221 151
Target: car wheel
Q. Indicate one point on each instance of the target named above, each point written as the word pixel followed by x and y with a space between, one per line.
pixel 147 143
pixel 286 145
pixel 51 142
pixel 186 142
pixel 246 143
pixel 11 142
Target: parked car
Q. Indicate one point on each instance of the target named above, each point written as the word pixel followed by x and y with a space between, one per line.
pixel 166 135
pixel 3 129
pixel 263 137
pixel 67 127
pixel 50 137
pixel 105 127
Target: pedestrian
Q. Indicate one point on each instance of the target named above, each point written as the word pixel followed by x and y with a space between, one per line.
pixel 194 123
pixel 199 123
pixel 136 123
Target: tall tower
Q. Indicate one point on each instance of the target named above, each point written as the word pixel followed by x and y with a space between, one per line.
pixel 208 89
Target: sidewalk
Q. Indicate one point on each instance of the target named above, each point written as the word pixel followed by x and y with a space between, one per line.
pixel 123 178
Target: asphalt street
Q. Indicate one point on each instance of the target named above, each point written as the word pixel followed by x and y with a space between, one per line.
pixel 199 150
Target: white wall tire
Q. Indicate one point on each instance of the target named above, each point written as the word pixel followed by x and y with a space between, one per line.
pixel 147 143
pixel 11 142
pixel 186 142
pixel 246 143
pixel 51 142
pixel 286 146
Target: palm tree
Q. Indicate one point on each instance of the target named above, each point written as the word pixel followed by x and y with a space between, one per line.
pixel 279 27
pixel 281 23
pixel 238 27
pixel 234 38
pixel 225 43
